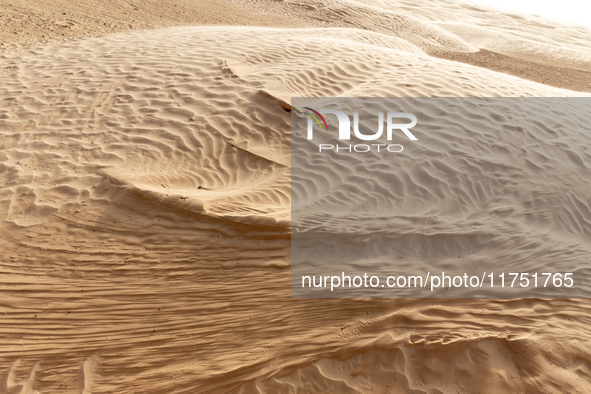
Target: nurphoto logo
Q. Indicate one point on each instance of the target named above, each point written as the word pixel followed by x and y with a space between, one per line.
pixel 344 128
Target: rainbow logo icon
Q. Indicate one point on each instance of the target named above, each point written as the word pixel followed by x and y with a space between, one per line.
pixel 315 118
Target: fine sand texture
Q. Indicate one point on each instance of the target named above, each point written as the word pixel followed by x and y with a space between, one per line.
pixel 145 199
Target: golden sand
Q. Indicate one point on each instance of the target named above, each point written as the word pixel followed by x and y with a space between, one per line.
pixel 145 198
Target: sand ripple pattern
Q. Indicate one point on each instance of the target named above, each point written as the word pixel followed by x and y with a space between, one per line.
pixel 145 195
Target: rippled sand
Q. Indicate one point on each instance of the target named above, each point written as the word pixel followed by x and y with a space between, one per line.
pixel 145 198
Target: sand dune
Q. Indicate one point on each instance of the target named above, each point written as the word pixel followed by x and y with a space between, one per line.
pixel 145 201
pixel 526 47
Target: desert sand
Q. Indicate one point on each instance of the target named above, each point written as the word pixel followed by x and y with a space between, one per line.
pixel 145 198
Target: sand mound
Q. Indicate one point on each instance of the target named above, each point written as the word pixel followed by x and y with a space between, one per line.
pixel 144 204
pixel 528 48
pixel 449 30
pixel 152 118
pixel 145 197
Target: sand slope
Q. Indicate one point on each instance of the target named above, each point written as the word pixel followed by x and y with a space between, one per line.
pixel 145 195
